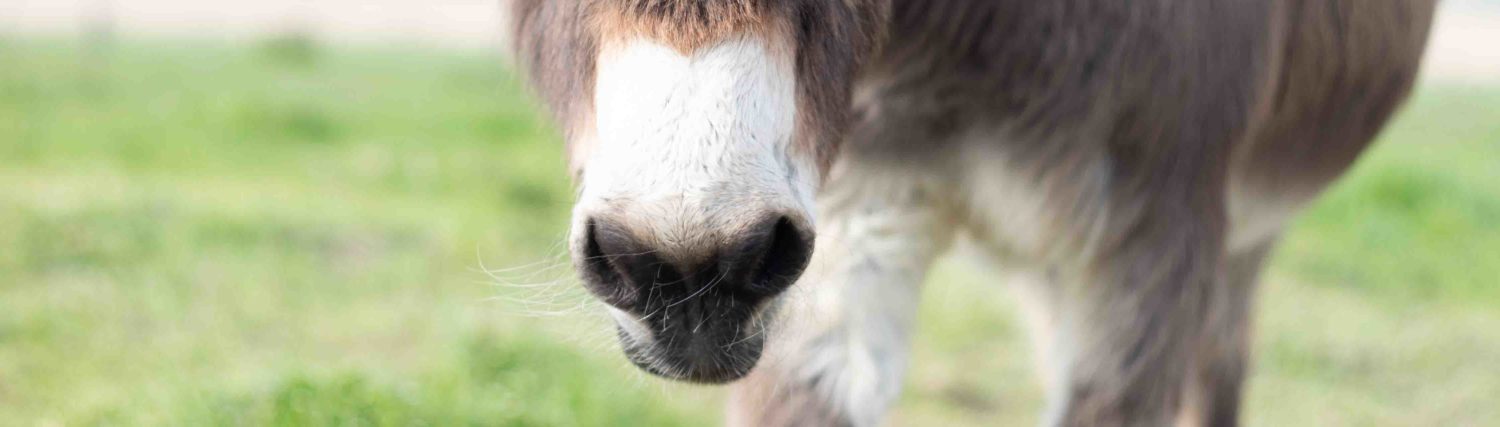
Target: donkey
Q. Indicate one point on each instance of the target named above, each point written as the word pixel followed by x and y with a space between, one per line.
pixel 1129 164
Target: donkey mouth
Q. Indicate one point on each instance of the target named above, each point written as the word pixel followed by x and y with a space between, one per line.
pixel 693 344
pixel 703 361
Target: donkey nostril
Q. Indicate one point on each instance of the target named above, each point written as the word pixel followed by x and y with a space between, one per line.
pixel 619 268
pixel 613 262
pixel 597 269
pixel 784 253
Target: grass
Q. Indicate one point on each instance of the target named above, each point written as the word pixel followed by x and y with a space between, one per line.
pixel 285 234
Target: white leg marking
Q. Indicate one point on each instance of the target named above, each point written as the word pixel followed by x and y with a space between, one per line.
pixel 1055 348
pixel 848 322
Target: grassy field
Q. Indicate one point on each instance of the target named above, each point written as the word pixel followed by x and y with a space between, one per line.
pixel 204 234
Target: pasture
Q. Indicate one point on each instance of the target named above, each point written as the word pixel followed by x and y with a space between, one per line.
pixel 199 233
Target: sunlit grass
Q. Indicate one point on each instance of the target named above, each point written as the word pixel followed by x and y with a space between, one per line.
pixel 198 234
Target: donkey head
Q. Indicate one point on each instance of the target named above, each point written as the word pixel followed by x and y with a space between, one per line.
pixel 698 133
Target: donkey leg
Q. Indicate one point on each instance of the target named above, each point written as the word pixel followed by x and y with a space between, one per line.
pixel 1214 399
pixel 1129 325
pixel 841 352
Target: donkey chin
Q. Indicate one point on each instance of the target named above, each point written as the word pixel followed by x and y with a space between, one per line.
pixel 694 213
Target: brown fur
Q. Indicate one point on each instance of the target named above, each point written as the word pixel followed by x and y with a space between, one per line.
pixel 686 26
pixel 1346 65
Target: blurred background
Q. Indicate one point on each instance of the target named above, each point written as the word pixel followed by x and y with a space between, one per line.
pixel 350 212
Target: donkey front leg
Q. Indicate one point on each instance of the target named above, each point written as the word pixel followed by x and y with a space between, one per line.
pixel 1132 325
pixel 840 351
pixel 1218 382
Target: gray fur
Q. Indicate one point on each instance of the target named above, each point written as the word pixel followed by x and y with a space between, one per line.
pixel 1113 149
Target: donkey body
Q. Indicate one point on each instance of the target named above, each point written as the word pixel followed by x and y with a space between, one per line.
pixel 1129 164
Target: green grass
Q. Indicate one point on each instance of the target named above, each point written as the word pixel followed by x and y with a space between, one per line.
pixel 203 234
pixel 1420 216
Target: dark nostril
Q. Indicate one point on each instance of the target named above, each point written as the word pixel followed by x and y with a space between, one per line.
pixel 778 258
pixel 617 267
pixel 597 269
